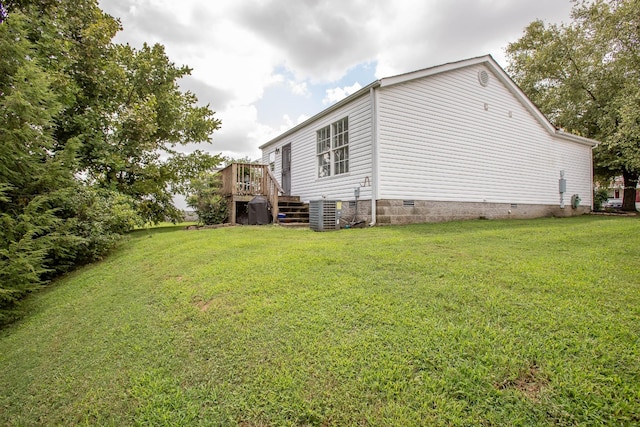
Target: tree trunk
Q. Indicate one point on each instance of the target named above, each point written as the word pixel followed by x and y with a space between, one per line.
pixel 629 197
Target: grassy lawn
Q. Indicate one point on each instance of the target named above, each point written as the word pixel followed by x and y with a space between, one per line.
pixel 466 323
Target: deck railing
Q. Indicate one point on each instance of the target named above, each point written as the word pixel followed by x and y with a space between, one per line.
pixel 247 179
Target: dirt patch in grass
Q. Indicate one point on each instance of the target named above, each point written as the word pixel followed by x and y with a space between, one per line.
pixel 203 305
pixel 530 382
pixel 219 303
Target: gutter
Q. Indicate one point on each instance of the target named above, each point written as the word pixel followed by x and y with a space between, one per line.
pixel 579 139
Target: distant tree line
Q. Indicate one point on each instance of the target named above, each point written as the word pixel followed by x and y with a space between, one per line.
pixel 88 138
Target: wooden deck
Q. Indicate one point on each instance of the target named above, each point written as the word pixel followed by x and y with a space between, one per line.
pixel 241 182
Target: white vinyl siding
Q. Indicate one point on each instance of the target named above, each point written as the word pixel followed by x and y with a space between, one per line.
pixel 447 138
pixel 304 155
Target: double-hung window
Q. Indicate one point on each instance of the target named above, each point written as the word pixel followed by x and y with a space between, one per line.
pixel 324 151
pixel 332 148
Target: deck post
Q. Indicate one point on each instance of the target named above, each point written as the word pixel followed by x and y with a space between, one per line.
pixel 232 210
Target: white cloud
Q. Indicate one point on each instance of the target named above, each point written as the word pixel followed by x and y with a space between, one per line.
pixel 239 130
pixel 302 118
pixel 336 94
pixel 299 88
pixel 264 133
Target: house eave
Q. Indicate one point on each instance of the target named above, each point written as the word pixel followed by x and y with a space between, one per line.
pixel 426 72
pixel 575 138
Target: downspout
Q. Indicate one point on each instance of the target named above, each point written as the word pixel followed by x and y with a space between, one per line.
pixel 374 156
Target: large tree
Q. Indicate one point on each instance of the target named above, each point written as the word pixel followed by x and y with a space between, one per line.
pixel 585 76
pixel 123 112
pixel 49 220
pixel 132 138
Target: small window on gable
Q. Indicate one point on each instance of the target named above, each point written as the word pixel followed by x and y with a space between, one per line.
pixel 332 149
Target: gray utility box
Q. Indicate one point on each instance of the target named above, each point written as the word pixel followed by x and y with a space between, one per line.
pixel 324 215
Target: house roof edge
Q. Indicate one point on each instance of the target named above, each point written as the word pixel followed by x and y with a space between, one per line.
pixel 576 138
pixel 437 69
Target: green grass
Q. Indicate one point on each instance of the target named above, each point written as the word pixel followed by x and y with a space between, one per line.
pixel 466 323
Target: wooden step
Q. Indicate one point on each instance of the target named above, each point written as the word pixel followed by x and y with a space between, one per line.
pixel 297 218
pixel 295 211
pixel 289 216
pixel 288 199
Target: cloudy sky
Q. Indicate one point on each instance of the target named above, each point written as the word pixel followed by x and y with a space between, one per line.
pixel 266 65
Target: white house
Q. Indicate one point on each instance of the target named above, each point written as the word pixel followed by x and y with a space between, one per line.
pixel 455 141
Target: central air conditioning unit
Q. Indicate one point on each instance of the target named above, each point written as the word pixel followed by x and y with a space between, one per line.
pixel 324 215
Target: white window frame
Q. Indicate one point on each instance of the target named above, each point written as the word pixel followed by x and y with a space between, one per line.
pixel 340 146
pixel 332 148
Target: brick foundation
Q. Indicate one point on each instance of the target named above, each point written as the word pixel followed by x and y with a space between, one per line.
pixel 397 212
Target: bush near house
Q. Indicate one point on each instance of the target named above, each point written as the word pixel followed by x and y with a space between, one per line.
pixel 206 199
pixel 600 198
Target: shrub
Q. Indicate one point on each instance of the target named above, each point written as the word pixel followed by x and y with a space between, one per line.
pixel 26 236
pixel 600 197
pixel 206 199
pixel 54 233
pixel 21 266
pixel 95 219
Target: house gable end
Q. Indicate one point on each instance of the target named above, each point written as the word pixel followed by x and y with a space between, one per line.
pixel 502 76
pixel 464 135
